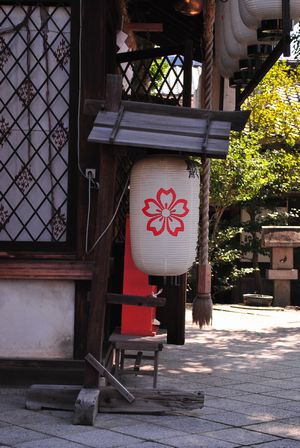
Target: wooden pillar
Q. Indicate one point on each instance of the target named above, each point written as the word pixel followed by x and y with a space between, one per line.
pixel 100 22
pixel 173 315
pixel 102 251
pixel 98 57
pixel 175 311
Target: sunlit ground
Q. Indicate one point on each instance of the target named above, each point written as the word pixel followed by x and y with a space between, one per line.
pixel 240 344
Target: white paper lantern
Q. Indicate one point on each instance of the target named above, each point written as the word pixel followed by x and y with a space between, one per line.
pixel 237 36
pixel 226 64
pixel 164 215
pixel 253 11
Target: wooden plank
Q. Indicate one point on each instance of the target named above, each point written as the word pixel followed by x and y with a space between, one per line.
pixel 147 343
pixel 49 396
pixel 154 140
pixel 41 364
pixel 237 119
pixel 149 346
pixel 164 124
pixel 143 27
pixel 150 401
pixel 23 372
pixel 50 270
pixel 24 255
pixel 163 132
pixel 121 299
pixel 110 378
pixel 147 401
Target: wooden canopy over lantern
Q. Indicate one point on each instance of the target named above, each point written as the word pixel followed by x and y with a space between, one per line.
pixel 169 128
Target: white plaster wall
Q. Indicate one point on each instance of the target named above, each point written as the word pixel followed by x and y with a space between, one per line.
pixel 36 318
pixel 229 96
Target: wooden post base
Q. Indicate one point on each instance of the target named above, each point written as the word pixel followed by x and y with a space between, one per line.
pixel 90 401
pixel 86 407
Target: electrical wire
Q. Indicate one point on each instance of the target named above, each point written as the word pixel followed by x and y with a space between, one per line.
pixel 88 251
pixel 92 182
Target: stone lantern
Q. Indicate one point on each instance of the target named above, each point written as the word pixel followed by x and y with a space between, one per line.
pixel 281 240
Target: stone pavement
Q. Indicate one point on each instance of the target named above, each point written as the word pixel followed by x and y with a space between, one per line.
pixel 247 365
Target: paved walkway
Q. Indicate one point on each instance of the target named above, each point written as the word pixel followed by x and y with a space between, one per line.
pixel 248 366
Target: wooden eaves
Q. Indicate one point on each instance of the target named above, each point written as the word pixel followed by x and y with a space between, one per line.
pixel 168 128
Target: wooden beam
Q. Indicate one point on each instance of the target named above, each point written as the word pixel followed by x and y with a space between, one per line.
pixel 148 53
pixel 92 107
pixel 143 27
pixel 121 299
pixel 50 270
pixel 150 401
pixel 24 372
pixel 110 378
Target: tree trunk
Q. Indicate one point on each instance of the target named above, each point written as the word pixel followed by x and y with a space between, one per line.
pixel 217 218
pixel 257 275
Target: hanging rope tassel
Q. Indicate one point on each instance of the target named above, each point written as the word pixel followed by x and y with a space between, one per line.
pixel 202 304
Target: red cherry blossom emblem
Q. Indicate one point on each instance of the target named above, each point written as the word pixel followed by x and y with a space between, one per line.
pixel 165 212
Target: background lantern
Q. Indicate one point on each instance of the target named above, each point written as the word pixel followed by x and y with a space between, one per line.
pixel 253 11
pixel 164 214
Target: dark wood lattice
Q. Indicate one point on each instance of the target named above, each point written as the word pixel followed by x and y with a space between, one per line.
pixel 34 121
pixel 123 172
pixel 154 75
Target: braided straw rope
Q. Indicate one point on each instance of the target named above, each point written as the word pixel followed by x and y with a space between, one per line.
pixel 208 72
pixel 202 304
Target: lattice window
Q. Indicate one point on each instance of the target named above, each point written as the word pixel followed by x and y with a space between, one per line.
pixel 34 122
pixel 123 172
pixel 154 79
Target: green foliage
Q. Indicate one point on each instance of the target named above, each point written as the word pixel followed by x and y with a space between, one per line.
pixel 263 164
pixel 242 175
pixel 225 254
pixel 274 116
pixel 296 42
pixel 262 160
pixel 235 240
pixel 158 72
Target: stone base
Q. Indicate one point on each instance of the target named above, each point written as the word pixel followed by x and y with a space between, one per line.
pixel 257 300
pixel 282 293
pixel 86 407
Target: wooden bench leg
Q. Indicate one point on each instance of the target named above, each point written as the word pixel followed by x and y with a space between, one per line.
pixel 117 362
pixel 122 360
pixel 155 369
pixel 138 361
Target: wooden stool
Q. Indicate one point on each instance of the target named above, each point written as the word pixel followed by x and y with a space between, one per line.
pixel 139 344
